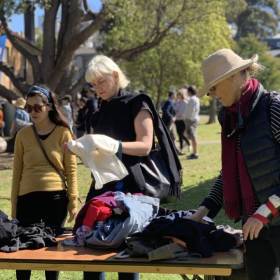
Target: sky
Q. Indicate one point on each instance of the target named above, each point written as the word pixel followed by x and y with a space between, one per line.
pixel 16 22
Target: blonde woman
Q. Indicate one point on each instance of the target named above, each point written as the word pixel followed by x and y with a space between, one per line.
pixel 129 119
pixel 249 184
pixel 129 122
pixel 181 106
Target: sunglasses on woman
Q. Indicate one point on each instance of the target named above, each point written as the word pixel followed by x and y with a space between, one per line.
pixel 36 107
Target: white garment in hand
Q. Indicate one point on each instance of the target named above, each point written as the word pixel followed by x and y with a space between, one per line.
pixel 105 144
pixel 97 152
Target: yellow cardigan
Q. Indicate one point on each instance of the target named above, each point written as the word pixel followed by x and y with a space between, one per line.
pixel 32 172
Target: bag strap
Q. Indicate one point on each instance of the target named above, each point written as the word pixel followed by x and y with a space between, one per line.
pixel 59 172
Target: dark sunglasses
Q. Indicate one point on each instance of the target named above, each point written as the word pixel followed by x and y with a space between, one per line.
pixel 36 107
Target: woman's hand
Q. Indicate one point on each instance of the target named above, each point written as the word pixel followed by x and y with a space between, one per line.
pixel 72 214
pixel 200 213
pixel 252 228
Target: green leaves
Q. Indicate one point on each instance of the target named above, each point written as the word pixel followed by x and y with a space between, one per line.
pixel 198 29
pixel 269 77
pixel 260 17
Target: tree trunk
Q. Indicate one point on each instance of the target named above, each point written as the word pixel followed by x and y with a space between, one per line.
pixel 212 111
pixel 29 25
pixel 158 98
pixel 29 31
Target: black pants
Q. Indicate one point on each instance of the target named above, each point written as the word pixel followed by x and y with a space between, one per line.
pixel 101 275
pixel 263 254
pixel 181 127
pixel 48 207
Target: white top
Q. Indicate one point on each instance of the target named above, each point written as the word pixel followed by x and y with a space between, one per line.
pixel 181 107
pixel 97 152
pixel 193 108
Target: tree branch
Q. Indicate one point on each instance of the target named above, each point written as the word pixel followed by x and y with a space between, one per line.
pixel 49 41
pixel 72 46
pixel 156 37
pixel 78 86
pixel 89 15
pixel 63 27
pixel 23 50
pixel 85 5
pixel 18 82
pixel 8 94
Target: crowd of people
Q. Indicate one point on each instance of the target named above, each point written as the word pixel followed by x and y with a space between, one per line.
pixel 182 111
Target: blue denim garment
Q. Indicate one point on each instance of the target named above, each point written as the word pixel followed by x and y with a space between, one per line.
pixel 141 210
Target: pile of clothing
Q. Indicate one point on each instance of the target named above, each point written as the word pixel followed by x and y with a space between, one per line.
pixel 138 225
pixel 175 236
pixel 14 237
pixel 106 220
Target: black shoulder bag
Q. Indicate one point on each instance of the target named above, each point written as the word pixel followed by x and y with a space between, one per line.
pixel 160 173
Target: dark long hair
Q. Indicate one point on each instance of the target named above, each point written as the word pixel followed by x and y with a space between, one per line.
pixel 55 114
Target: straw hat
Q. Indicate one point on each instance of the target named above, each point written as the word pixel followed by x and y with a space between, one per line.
pixel 20 102
pixel 221 65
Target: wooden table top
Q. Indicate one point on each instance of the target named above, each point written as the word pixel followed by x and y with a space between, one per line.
pixel 86 259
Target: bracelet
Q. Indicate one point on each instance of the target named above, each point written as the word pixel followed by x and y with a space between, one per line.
pixel 274 211
pixel 261 218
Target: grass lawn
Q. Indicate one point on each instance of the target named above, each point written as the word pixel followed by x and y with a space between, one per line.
pixel 199 176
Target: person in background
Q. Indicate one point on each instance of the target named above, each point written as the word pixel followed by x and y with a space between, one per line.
pixel 21 117
pixel 168 112
pixel 181 106
pixel 81 118
pixel 91 106
pixel 2 121
pixel 192 120
pixel 21 120
pixel 248 185
pixel 66 109
pixel 38 193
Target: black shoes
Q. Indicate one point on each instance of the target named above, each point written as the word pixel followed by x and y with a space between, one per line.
pixel 192 156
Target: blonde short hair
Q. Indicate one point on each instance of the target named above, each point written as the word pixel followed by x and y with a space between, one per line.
pixel 102 65
pixel 183 92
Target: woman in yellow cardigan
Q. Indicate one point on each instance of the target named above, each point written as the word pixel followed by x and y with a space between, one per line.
pixel 38 191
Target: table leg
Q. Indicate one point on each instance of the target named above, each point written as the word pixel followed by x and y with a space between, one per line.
pixel 194 277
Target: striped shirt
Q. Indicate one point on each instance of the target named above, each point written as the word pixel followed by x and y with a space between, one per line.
pixel 214 200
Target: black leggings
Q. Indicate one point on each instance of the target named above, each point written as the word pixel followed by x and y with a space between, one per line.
pixel 181 127
pixel 36 207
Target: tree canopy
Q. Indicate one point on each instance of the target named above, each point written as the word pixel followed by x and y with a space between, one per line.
pixel 68 24
pixel 258 17
pixel 176 60
pixel 269 76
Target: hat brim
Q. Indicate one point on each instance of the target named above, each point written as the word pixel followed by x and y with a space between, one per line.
pixel 247 63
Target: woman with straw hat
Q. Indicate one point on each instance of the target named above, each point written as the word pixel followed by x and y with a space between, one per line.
pixel 248 186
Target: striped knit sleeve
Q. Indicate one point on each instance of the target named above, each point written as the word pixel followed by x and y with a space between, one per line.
pixel 275 118
pixel 271 208
pixel 214 200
